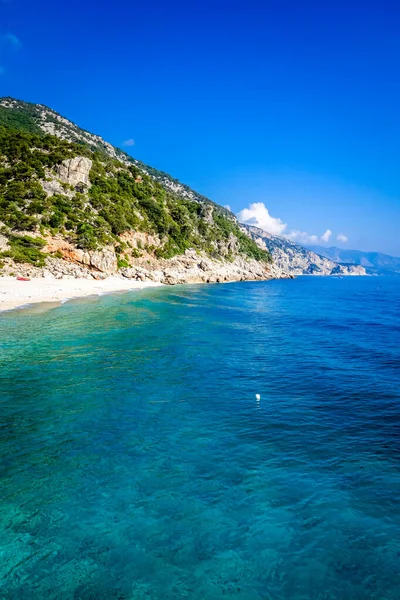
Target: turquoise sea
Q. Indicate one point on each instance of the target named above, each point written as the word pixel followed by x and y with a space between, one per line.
pixel 136 462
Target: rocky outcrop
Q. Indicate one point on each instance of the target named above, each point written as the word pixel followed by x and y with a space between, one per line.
pixel 66 260
pixel 348 270
pixel 75 171
pixel 3 243
pixel 52 186
pixel 55 269
pixel 188 268
pixel 70 176
pixel 207 213
pixel 193 267
pixel 104 260
pixel 141 240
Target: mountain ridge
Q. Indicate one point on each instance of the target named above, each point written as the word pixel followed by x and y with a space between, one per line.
pixel 375 263
pixel 299 260
pixel 100 211
pixel 49 121
pixel 72 204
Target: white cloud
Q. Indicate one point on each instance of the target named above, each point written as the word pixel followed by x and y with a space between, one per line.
pixel 130 142
pixel 325 237
pixel 302 237
pixel 257 214
pixel 342 238
pixel 10 39
pixel 227 207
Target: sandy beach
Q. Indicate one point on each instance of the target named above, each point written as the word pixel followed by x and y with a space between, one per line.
pixel 14 293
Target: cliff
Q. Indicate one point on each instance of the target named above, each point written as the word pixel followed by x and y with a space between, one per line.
pixel 298 260
pixel 72 205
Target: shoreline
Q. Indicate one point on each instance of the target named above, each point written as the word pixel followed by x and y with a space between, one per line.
pixel 17 294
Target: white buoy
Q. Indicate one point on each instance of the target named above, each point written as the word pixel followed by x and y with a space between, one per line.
pixel 258 397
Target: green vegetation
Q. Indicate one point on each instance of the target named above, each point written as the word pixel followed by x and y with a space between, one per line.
pixel 18 120
pixel 121 197
pixel 122 263
pixel 26 249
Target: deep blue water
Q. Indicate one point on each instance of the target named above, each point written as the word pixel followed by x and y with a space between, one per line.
pixel 136 463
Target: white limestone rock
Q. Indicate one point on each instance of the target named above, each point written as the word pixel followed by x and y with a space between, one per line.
pixel 75 171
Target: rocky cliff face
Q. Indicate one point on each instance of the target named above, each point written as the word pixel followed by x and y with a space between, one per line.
pixel 76 206
pixel 75 171
pixel 297 260
pixel 191 267
pixel 50 122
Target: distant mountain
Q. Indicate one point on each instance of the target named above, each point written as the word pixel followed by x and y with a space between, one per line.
pixel 375 263
pixel 298 260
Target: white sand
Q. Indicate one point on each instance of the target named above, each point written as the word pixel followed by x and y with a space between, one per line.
pixel 14 293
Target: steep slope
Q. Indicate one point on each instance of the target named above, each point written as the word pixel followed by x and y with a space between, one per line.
pixel 373 262
pixel 90 208
pixel 37 118
pixel 298 260
pixel 72 204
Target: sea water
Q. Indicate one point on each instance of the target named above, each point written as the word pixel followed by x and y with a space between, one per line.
pixel 136 462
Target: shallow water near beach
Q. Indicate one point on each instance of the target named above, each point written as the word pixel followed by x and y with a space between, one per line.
pixel 136 462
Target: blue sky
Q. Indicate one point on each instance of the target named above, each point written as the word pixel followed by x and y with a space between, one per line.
pixel 292 107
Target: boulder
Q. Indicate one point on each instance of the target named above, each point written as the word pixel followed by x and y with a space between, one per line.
pixel 103 260
pixel 53 186
pixel 203 266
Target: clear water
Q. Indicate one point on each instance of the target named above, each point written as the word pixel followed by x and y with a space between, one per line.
pixel 136 463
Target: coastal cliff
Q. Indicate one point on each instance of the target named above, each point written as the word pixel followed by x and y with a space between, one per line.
pixel 73 206
pixel 298 260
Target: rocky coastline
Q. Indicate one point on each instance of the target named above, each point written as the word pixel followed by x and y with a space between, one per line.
pixel 190 267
